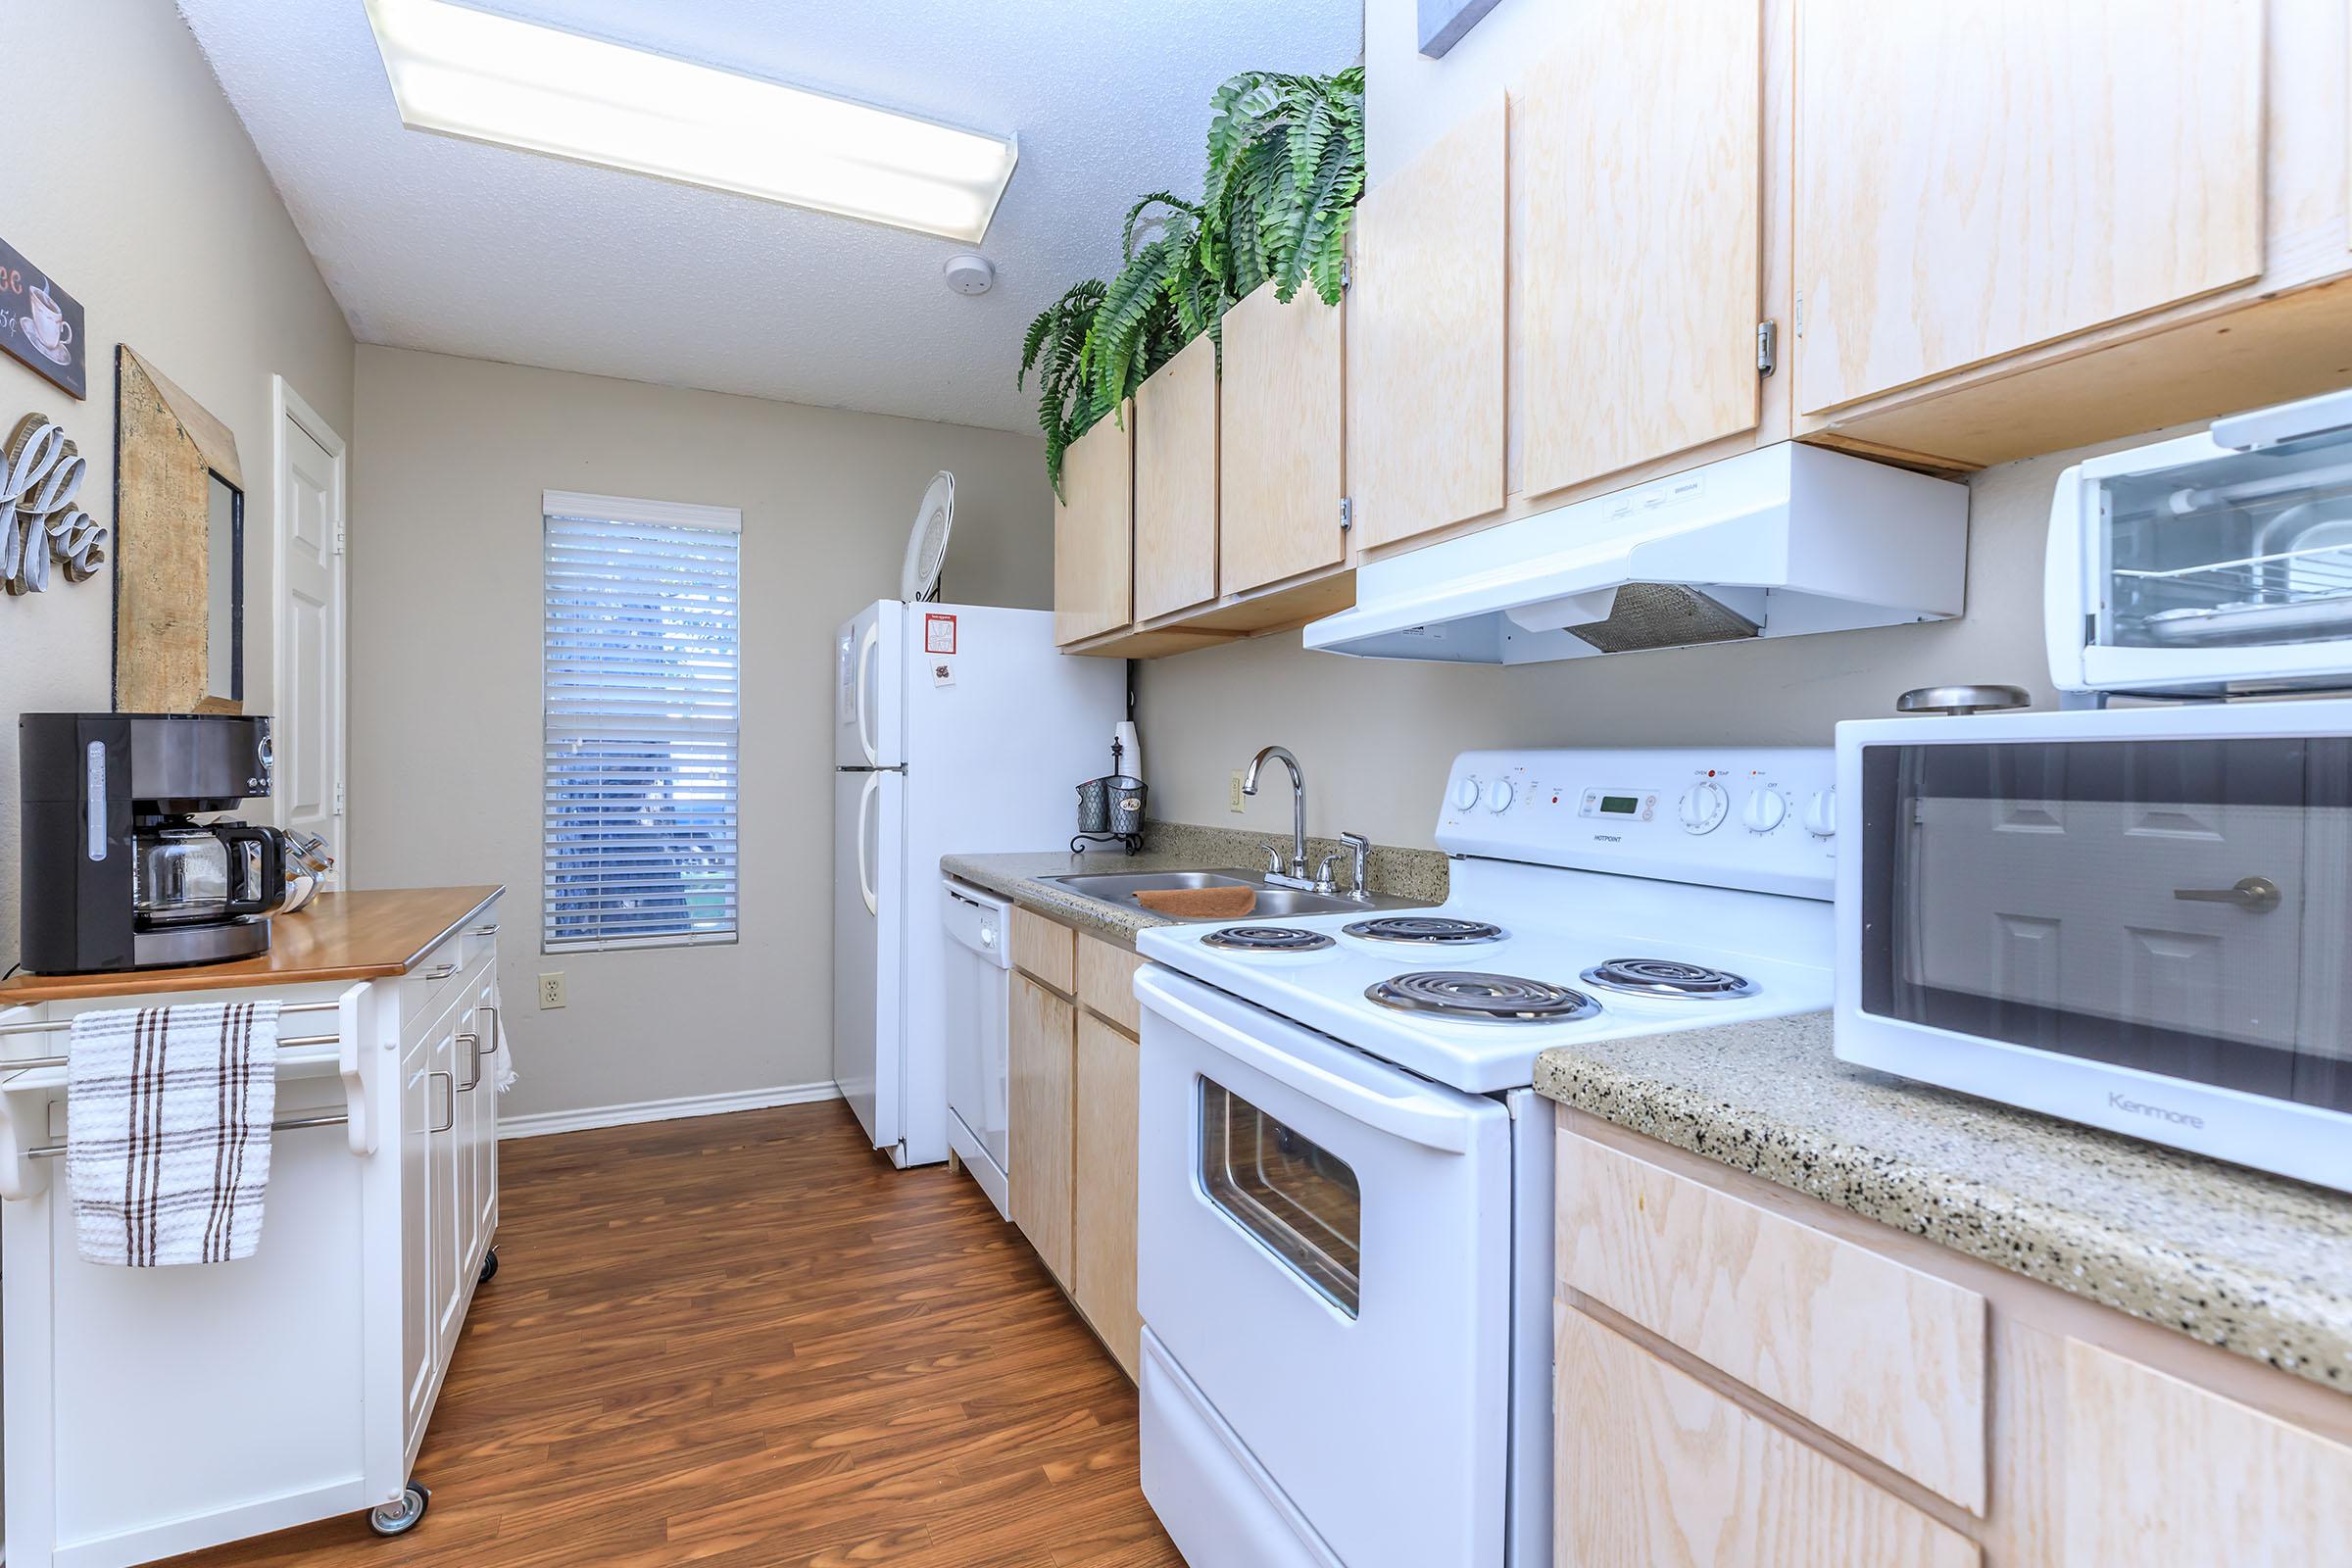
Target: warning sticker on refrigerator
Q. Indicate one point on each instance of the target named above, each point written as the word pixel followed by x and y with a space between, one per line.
pixel 939 634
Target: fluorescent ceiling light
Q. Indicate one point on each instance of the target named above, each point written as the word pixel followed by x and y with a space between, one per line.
pixel 465 72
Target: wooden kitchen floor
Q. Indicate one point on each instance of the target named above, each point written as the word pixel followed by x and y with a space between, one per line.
pixel 746 1340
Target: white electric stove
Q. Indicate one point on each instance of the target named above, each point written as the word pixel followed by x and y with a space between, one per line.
pixel 1346 1177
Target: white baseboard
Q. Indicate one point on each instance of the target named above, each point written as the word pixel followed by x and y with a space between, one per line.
pixel 540 1124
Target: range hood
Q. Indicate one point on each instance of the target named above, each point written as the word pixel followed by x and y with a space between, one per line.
pixel 1777 542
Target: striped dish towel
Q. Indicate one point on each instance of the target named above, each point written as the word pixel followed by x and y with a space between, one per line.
pixel 167 1130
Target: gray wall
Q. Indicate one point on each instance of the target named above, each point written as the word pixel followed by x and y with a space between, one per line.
pixel 129 178
pixel 1376 737
pixel 445 678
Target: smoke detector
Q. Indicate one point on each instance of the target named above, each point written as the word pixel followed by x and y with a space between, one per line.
pixel 969 273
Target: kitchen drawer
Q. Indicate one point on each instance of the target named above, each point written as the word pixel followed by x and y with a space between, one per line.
pixel 426 988
pixel 478 938
pixel 1657 1470
pixel 1044 951
pixel 1107 983
pixel 1873 1352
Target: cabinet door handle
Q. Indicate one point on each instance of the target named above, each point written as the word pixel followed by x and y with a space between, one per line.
pixel 443 972
pixel 473 1063
pixel 2256 895
pixel 449 1088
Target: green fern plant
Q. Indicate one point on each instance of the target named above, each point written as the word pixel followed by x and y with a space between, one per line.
pixel 1160 300
pixel 1285 164
pixel 1054 347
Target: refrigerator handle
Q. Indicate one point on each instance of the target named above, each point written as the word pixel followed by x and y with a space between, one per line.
pixel 865 668
pixel 865 872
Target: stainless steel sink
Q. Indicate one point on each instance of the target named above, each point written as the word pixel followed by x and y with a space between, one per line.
pixel 1117 887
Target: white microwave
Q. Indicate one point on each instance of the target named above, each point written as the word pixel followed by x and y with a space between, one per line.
pixel 2138 918
pixel 2211 564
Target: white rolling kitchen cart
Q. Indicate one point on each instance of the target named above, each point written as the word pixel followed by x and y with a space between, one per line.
pixel 155 1411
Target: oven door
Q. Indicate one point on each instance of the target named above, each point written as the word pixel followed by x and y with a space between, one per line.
pixel 2158 890
pixel 1324 1253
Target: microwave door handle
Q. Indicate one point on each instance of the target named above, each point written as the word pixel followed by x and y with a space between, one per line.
pixel 2256 895
pixel 1416 1120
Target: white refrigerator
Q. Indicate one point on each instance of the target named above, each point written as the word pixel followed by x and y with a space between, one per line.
pixel 958 729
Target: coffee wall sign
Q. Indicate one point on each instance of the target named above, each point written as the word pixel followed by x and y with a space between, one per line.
pixel 41 473
pixel 40 324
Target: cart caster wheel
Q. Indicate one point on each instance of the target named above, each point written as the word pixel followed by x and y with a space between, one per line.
pixel 489 1266
pixel 398 1518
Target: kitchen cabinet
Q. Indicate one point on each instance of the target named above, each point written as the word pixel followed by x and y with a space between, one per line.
pixel 1426 337
pixel 1747 1374
pixel 2158 1470
pixel 328 1347
pixel 1044 950
pixel 1282 466
pixel 1176 483
pixel 1103 1269
pixel 1637 237
pixel 2028 225
pixel 1093 533
pixel 1975 180
pixel 1658 1469
pixel 1042 1049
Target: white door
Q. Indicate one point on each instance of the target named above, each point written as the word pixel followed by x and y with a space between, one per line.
pixel 867 911
pixel 309 730
pixel 1324 1253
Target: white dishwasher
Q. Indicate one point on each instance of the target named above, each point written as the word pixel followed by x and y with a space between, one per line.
pixel 978 999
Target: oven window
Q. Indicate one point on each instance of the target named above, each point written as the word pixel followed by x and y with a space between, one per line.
pixel 1298 1198
pixel 2178 906
pixel 2254 547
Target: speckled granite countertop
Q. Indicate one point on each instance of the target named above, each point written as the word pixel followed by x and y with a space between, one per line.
pixel 1418 875
pixel 2249 1262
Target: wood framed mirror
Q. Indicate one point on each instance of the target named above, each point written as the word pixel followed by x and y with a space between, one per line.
pixel 179 550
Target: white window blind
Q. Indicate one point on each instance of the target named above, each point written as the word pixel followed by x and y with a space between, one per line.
pixel 641 699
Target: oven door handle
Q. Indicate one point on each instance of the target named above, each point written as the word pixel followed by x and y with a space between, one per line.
pixel 1420 1118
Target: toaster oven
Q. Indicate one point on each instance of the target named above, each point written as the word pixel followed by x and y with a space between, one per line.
pixel 2211 565
pixel 2139 918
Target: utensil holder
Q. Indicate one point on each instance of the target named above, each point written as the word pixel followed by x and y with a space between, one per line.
pixel 1110 807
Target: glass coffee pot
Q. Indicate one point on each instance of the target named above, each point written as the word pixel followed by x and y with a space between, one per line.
pixel 186 872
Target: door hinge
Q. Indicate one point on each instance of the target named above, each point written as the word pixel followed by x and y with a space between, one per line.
pixel 338 811
pixel 1768 343
pixel 338 537
pixel 1347 512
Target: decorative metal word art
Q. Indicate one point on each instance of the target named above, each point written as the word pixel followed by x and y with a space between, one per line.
pixel 40 474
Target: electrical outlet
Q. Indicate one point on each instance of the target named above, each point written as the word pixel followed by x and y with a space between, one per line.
pixel 551 989
pixel 1233 797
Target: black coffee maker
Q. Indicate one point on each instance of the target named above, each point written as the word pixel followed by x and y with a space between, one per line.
pixel 118 872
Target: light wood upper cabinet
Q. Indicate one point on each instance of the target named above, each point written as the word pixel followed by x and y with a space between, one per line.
pixel 1093 534
pixel 1426 337
pixel 2161 1471
pixel 1888 1358
pixel 1282 470
pixel 1041 1052
pixel 1635 237
pixel 1176 483
pixel 1658 1470
pixel 1975 179
pixel 1103 1281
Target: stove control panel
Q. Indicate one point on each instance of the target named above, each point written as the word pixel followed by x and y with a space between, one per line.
pixel 1764 818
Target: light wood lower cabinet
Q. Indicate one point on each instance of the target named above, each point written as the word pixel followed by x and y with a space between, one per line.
pixel 1748 1376
pixel 1657 1470
pixel 1073 1129
pixel 1104 1273
pixel 1041 1051
pixel 2161 1471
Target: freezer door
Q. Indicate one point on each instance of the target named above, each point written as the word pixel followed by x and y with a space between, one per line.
pixel 869 949
pixel 869 723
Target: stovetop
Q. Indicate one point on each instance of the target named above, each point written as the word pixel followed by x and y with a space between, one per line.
pixel 1574 956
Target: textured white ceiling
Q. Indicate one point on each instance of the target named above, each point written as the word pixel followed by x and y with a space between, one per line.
pixel 432 243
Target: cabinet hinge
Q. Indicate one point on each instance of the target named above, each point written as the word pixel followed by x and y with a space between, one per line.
pixel 1768 343
pixel 1347 512
pixel 1347 272
pixel 1800 316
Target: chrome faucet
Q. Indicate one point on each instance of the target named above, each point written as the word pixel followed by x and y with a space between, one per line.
pixel 1295 875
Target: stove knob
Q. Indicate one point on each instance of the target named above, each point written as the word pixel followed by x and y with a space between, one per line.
pixel 1821 815
pixel 1767 808
pixel 1703 806
pixel 1500 796
pixel 1465 794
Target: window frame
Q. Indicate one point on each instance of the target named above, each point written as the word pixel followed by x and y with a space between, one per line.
pixel 627 510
